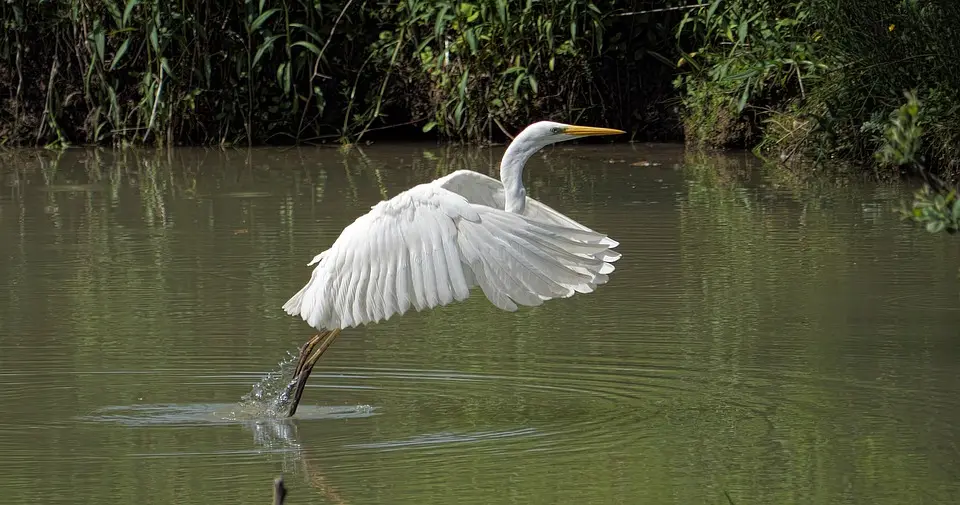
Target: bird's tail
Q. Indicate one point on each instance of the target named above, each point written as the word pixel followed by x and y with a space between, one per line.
pixel 295 303
pixel 292 306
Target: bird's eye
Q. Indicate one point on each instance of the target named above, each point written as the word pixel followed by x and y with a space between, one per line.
pixel 557 130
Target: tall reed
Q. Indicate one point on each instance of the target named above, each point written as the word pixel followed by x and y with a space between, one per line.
pixel 270 71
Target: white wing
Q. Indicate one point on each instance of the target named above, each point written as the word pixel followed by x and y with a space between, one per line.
pixel 485 190
pixel 428 246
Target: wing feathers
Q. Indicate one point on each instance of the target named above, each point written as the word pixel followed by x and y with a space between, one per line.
pixel 535 276
pixel 428 246
pixel 507 271
pixel 483 190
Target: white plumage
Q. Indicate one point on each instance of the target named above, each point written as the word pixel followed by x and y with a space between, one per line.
pixel 430 245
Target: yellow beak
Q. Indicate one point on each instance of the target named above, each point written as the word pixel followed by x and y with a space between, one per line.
pixel 584 131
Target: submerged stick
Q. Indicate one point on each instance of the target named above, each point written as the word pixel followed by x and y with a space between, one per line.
pixel 279 491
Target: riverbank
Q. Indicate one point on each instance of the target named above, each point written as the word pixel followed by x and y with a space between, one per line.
pixel 275 72
pixel 868 83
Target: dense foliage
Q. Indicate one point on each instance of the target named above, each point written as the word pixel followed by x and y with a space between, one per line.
pixel 865 81
pixel 109 71
pixel 860 80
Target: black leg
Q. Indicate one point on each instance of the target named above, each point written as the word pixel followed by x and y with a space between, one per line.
pixel 322 343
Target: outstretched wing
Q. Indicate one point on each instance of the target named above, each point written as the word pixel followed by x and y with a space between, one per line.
pixel 428 246
pixel 481 189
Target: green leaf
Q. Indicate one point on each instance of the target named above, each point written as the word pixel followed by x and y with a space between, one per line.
pixel 471 40
pixel 153 39
pixel 280 75
pixel 127 11
pixel 742 31
pixel 112 8
pixel 165 65
pixel 262 18
pixel 743 98
pixel 100 41
pixel 458 114
pixel 429 126
pixel 533 82
pixel 114 106
pixel 467 8
pixel 266 46
pixel 309 31
pixel 462 87
pixel 935 226
pixel 120 52
pixel 440 25
pixel 309 46
pixel 516 84
pixel 207 70
pixel 711 10
pixel 742 75
pixel 663 59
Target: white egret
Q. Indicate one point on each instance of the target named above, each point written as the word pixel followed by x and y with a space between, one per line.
pixel 429 245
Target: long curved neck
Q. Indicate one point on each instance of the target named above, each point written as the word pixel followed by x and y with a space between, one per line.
pixel 511 174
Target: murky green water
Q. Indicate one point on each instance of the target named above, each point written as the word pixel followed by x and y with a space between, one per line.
pixel 778 343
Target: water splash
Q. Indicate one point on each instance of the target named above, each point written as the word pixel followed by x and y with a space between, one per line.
pixel 269 397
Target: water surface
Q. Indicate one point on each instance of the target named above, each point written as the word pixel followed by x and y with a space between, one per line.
pixel 762 339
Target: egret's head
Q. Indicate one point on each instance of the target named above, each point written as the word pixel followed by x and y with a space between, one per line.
pixel 544 133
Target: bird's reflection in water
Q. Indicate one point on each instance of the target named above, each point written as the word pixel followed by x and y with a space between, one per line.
pixel 281 438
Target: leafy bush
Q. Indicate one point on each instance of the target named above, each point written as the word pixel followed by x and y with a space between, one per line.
pixel 750 58
pixel 256 71
pixel 476 64
pixel 937 211
pixel 102 71
pixel 819 78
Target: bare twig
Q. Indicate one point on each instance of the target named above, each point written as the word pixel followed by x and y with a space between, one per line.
pixel 803 94
pixel 47 113
pixel 156 101
pixel 316 64
pixel 504 130
pixel 637 13
pixel 383 85
pixel 279 491
pixel 16 99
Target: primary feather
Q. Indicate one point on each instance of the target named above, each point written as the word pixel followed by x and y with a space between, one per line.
pixel 485 190
pixel 428 246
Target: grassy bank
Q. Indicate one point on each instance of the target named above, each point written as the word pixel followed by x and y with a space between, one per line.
pixel 277 71
pixel 867 82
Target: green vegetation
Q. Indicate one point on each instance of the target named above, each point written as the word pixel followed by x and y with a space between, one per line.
pixel 938 211
pixel 270 71
pixel 825 81
pixel 868 83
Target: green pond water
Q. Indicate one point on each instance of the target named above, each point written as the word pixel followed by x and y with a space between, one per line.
pixel 761 341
